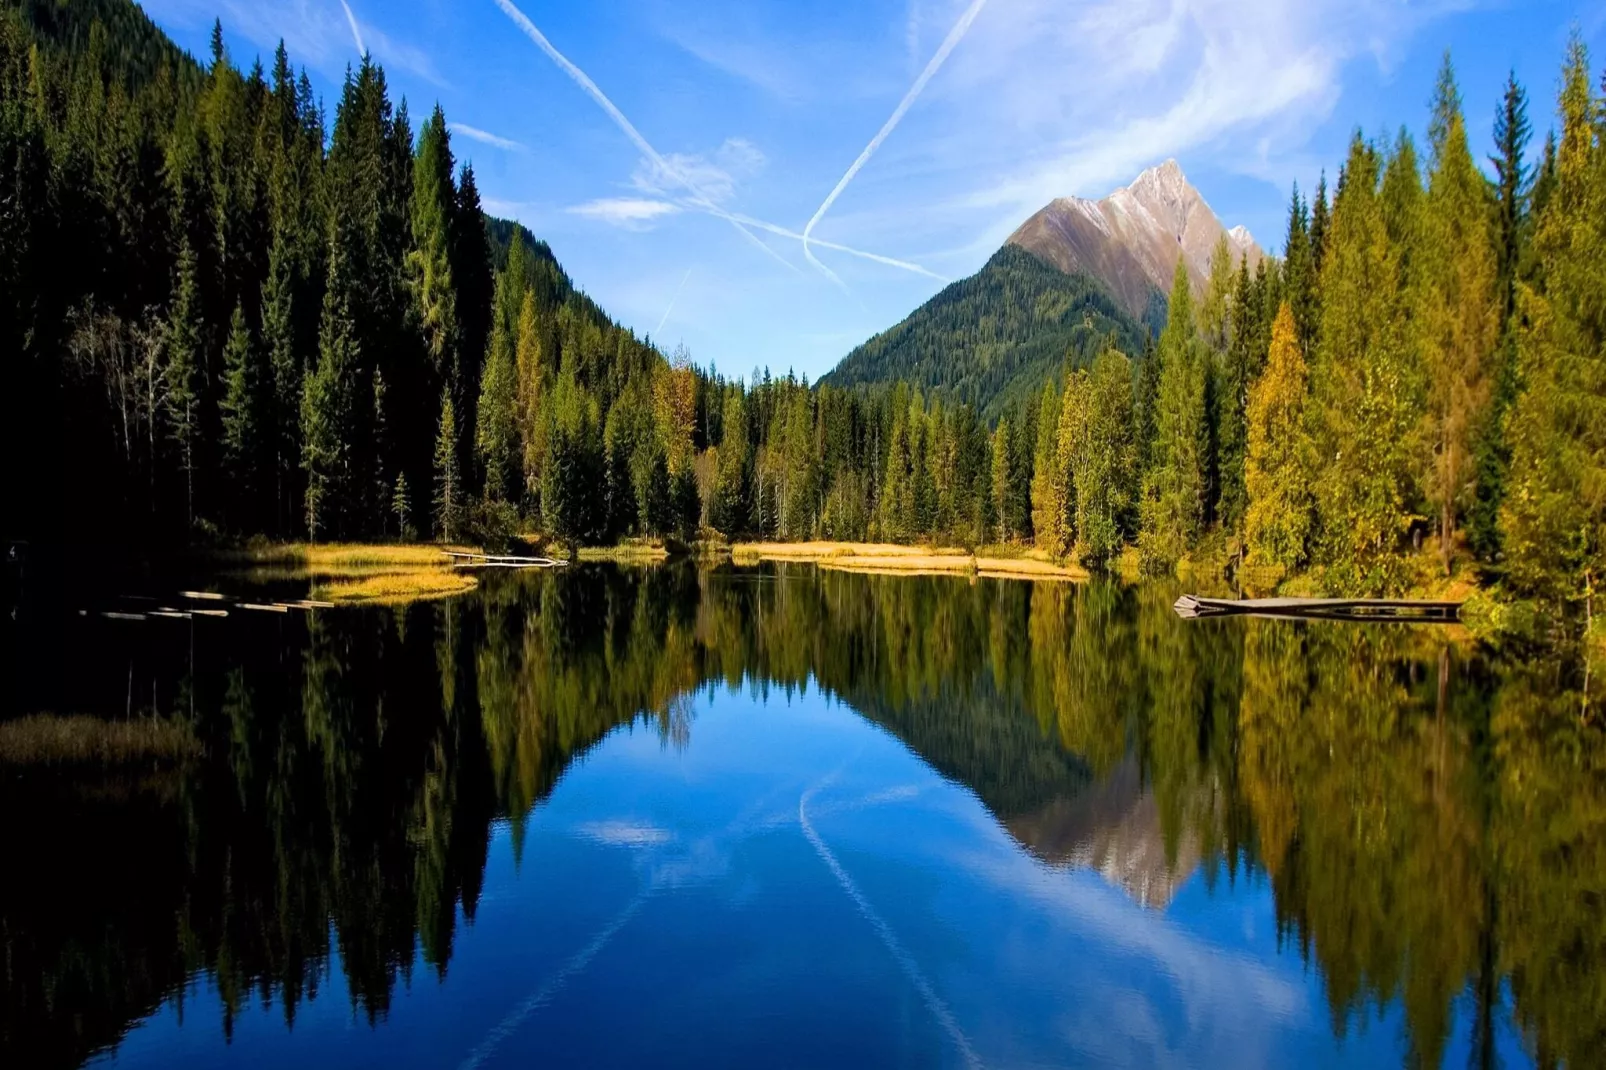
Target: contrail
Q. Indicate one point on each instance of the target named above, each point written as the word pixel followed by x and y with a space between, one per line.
pixel 822 243
pixel 355 33
pixel 934 65
pixel 665 317
pixel 699 200
pixel 911 969
pixel 532 1003
pixel 474 133
pixel 580 78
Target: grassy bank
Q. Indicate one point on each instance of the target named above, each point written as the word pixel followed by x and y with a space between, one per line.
pixel 993 561
pixel 45 739
pixel 366 573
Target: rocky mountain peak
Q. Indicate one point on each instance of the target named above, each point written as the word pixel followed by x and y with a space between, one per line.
pixel 1131 239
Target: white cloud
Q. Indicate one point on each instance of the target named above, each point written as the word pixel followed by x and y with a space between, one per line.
pixel 717 175
pixel 624 833
pixel 630 213
pixel 485 137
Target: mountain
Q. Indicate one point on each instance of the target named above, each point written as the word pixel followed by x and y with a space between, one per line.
pixel 1130 239
pixel 1076 276
pixel 993 339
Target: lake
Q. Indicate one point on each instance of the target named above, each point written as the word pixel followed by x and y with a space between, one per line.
pixel 781 816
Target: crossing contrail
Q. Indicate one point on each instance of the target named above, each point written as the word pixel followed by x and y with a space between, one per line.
pixel 580 78
pixel 698 200
pixel 355 33
pixel 935 64
pixel 665 317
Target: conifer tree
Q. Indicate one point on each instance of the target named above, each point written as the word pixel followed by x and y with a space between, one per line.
pixel 1365 384
pixel 1300 285
pixel 185 374
pixel 497 435
pixel 1491 449
pixel 1554 516
pixel 328 416
pixel 1051 510
pixel 284 371
pixel 1098 455
pixel 1240 366
pixel 245 424
pixel 1319 219
pixel 1277 525
pixel 401 508
pixel 530 372
pixel 1457 311
pixel 1175 487
pixel 448 481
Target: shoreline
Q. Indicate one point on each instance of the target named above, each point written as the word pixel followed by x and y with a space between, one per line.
pixel 896 559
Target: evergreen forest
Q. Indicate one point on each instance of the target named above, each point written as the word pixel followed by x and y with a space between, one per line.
pixel 228 309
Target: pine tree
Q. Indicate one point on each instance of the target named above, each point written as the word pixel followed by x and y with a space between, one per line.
pixel 570 480
pixel 1098 455
pixel 1175 487
pixel 1491 449
pixel 497 435
pixel 1511 135
pixel 1319 220
pixel 1300 287
pixel 1457 311
pixel 1365 382
pixel 1052 510
pixel 185 374
pixel 1277 525
pixel 245 423
pixel 401 508
pixel 448 479
pixel 328 416
pixel 1240 366
pixel 1554 516
pixel 285 373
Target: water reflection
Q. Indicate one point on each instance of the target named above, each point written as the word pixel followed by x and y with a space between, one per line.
pixel 1432 822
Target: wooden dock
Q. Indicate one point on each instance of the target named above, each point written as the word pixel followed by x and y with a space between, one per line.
pixel 1190 607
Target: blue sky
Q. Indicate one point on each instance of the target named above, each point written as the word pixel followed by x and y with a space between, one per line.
pixel 749 113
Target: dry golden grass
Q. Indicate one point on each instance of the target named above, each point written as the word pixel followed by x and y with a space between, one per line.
pixel 395 587
pixel 332 558
pixel 1011 561
pixel 631 551
pixel 48 739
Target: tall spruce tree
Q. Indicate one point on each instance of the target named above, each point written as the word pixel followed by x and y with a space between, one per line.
pixel 1365 384
pixel 186 376
pixel 1457 312
pixel 246 408
pixel 1554 516
pixel 449 502
pixel 1491 447
pixel 329 414
pixel 1175 488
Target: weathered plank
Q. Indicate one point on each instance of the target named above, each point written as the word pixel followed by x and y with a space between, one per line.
pixel 1192 606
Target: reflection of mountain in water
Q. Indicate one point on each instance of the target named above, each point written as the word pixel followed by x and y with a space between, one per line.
pixel 1421 840
pixel 1112 827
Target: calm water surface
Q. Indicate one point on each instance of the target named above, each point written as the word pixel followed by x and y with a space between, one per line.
pixel 801 818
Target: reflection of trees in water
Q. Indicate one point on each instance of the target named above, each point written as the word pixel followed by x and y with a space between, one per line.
pixel 1431 824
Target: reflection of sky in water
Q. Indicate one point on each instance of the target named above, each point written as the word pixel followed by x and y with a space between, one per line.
pixel 667 907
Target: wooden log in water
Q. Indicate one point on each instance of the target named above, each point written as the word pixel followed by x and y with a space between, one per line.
pixel 264 609
pixel 1400 609
pixel 203 596
pixel 466 559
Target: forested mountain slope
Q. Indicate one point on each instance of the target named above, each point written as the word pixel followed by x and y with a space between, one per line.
pixel 993 339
